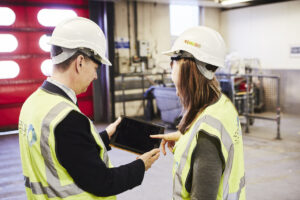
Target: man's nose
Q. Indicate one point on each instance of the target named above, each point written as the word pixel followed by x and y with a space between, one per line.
pixel 95 76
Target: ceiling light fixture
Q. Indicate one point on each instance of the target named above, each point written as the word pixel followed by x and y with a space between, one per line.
pixel 228 2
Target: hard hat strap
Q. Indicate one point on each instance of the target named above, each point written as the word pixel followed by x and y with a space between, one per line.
pixel 204 71
pixel 63 56
pixel 182 54
pixel 89 53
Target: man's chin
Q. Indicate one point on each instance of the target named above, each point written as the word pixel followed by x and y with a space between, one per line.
pixel 82 91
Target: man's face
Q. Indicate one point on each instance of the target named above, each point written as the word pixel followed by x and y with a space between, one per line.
pixel 88 73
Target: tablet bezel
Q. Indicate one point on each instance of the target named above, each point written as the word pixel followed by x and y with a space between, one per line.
pixel 131 149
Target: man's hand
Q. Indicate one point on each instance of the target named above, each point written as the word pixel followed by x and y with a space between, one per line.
pixel 111 129
pixel 149 158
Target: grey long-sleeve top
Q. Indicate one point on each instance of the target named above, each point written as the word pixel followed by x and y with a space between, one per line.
pixel 206 169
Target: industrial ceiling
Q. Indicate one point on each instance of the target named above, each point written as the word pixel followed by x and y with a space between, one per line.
pixel 224 4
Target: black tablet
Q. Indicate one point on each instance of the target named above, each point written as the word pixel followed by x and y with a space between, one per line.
pixel 134 135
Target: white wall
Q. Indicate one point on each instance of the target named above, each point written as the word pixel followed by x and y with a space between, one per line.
pixel 121 31
pixel 210 17
pixel 265 32
pixel 153 26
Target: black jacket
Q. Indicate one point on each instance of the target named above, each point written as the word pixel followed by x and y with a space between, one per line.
pixel 78 153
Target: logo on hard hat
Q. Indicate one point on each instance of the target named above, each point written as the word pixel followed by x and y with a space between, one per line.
pixel 195 44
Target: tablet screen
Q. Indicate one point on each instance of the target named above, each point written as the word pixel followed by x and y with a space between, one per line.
pixel 134 135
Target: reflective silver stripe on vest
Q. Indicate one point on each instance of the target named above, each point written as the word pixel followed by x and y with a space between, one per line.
pixel 105 155
pixel 226 140
pixel 38 188
pixel 236 195
pixel 51 173
pixel 55 189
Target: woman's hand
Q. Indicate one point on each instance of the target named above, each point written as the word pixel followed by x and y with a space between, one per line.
pixel 111 129
pixel 168 139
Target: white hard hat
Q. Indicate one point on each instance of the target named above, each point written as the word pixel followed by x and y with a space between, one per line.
pixel 205 44
pixel 78 33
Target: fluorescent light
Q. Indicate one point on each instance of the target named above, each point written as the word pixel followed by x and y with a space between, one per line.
pixel 9 69
pixel 47 67
pixel 51 17
pixel 44 43
pixel 228 2
pixel 7 16
pixel 8 42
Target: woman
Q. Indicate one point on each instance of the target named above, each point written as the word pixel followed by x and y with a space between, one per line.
pixel 208 146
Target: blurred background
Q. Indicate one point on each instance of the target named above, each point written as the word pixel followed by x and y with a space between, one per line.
pixel 261 78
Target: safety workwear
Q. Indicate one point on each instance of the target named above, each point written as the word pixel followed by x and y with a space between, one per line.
pixel 78 33
pixel 220 121
pixel 205 44
pixel 45 177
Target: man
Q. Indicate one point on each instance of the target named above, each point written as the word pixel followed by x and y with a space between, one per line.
pixel 62 155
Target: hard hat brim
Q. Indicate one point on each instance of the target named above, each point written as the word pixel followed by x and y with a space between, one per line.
pixel 169 52
pixel 105 61
pixel 202 59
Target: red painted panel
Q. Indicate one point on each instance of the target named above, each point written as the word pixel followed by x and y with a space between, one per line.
pixel 26 16
pixel 55 2
pixel 86 106
pixel 29 56
pixel 18 93
pixel 30 69
pixel 85 102
pixel 8 117
pixel 28 43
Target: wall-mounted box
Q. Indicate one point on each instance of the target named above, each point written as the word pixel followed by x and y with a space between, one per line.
pixel 295 51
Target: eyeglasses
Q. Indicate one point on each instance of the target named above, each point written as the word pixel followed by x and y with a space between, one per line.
pixel 178 57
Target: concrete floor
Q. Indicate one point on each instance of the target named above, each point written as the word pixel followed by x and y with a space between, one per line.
pixel 272 166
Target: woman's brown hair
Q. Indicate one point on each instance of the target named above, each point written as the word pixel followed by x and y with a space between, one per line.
pixel 195 91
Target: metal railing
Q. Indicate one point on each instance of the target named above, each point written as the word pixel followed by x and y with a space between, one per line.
pixel 247 114
pixel 145 82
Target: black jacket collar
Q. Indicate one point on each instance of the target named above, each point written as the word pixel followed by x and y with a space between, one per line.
pixel 53 89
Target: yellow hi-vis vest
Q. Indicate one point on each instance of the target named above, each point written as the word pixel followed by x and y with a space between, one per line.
pixel 45 177
pixel 221 121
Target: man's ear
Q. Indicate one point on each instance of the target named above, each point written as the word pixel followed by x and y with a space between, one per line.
pixel 79 63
